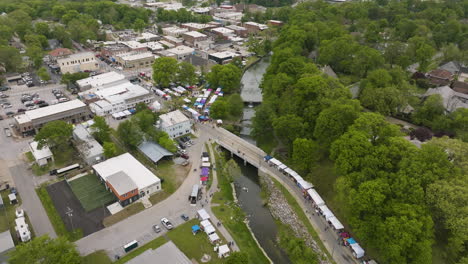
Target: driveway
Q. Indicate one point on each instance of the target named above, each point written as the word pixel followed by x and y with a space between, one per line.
pixel 23 179
pixel 139 227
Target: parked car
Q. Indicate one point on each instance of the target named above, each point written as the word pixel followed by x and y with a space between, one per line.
pixel 156 229
pixel 1 117
pixel 185 217
pixel 182 151
pixel 6 105
pixel 10 113
pixel 166 223
pixel 7 132
pixel 13 190
pixel 205 155
pixel 21 110
pixel 4 88
pixel 43 105
pixel 19 213
pixel 185 156
pixel 2 95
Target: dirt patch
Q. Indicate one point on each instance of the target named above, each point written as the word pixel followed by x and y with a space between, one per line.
pixel 180 173
pixel 77 218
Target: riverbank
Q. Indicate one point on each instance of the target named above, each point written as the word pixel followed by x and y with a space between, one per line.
pixel 231 215
pixel 286 214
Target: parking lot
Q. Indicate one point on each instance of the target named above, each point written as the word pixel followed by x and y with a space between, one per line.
pixel 12 103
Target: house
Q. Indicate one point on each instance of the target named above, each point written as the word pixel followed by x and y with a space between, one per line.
pixel 91 151
pixel 42 156
pixel 58 53
pixel 440 77
pixel 239 31
pixel 6 245
pixel 461 87
pixel 78 62
pixel 452 100
pixel 452 67
pixel 127 178
pixel 175 124
pixel 173 40
pixel 174 31
pixel 222 32
pixel 154 151
pixel 73 111
pixel 254 28
pixel 195 26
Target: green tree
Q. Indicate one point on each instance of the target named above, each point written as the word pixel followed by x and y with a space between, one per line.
pixel 186 73
pixel 144 120
pixel 262 122
pixel 431 109
pixel 42 28
pixel 335 120
pixel 6 33
pixel 227 76
pixel 219 109
pixel 164 71
pixel 232 170
pixel 305 155
pixel 288 128
pixel 71 78
pixel 101 130
pixel 235 105
pixel 35 55
pixel 54 134
pixel 110 150
pixel 366 59
pixel 10 58
pixel 139 25
pixel 43 74
pixel 129 134
pixel 45 250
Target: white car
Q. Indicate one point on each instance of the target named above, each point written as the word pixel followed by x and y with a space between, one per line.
pixel 166 223
pixel 19 213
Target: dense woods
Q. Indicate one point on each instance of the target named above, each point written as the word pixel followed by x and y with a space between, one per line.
pixel 402 202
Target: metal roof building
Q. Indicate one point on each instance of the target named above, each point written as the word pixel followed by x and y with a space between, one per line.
pixel 154 151
pixel 167 253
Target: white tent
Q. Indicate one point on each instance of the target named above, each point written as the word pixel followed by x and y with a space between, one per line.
pixel 205 223
pixel 213 238
pixel 336 223
pixel 289 171
pixel 156 106
pixel 205 159
pixel 223 251
pixel 274 162
pixel 315 197
pixel 127 113
pixel 296 176
pixel 327 213
pixel 206 164
pixel 203 215
pixel 187 101
pixel 358 252
pixel 210 230
pixel 122 114
pixel 282 167
pixel 305 185
pixel 116 115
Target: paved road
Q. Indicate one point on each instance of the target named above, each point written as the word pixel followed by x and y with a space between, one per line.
pixel 139 226
pixel 30 201
pixel 254 155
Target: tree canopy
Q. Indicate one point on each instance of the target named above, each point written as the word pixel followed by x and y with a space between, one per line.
pixel 54 134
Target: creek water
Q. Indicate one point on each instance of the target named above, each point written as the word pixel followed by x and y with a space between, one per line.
pixel 248 184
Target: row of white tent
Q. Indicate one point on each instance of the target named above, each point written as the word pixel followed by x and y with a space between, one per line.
pixel 210 230
pixel 307 187
pixel 120 115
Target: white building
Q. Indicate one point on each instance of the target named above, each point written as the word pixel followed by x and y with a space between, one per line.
pixel 99 80
pixel 181 52
pixel 42 156
pixel 175 124
pixel 146 182
pixel 222 31
pixel 23 229
pixel 91 151
pixel 78 62
pixel 135 60
pixel 174 31
pixel 117 98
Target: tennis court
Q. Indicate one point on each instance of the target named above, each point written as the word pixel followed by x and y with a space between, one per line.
pixel 91 192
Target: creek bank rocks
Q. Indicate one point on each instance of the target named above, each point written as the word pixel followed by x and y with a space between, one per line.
pixel 282 211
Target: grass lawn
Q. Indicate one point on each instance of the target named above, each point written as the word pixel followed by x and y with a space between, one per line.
pixel 55 218
pixel 154 244
pixel 8 216
pixel 30 156
pixel 65 157
pixel 158 197
pixel 302 217
pixel 126 212
pixel 194 246
pixel 98 257
pixel 91 192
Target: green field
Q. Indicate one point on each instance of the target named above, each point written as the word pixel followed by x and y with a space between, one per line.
pixel 91 192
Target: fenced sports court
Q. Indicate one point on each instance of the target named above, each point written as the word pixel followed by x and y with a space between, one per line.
pixel 90 191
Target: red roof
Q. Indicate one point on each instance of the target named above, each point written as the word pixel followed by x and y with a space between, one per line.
pixel 440 74
pixel 60 52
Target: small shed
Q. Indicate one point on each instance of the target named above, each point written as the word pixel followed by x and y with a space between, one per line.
pixel 213 238
pixel 203 215
pixel 12 198
pixel 223 251
pixel 42 156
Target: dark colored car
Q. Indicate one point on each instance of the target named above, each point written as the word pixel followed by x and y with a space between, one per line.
pixel 185 217
pixel 13 190
pixel 43 105
pixel 185 156
pixel 4 88
pixel 10 113
pixel 205 155
pixel 21 110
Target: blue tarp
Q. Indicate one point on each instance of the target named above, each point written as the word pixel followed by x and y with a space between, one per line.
pixel 351 241
pixel 267 157
pixel 132 110
pixel 195 228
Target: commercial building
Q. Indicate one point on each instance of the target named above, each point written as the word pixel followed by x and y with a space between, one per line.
pixel 181 52
pixel 175 124
pixel 31 121
pixel 167 253
pixel 91 151
pixel 117 98
pixel 173 40
pixel 223 57
pixel 78 62
pixel 194 36
pixel 174 31
pixel 223 32
pixel 254 28
pixel 59 53
pixel 135 60
pixel 42 156
pixel 100 80
pixel 195 26
pixel 240 31
pixel 112 49
pixel 127 178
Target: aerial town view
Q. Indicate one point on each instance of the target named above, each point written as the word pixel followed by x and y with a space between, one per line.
pixel 234 131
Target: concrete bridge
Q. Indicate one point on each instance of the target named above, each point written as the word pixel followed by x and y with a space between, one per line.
pixel 254 155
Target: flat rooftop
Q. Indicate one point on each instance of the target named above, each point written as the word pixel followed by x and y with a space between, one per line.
pixel 181 50
pixel 195 34
pixel 173 118
pixel 54 109
pixel 136 56
pixel 101 79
